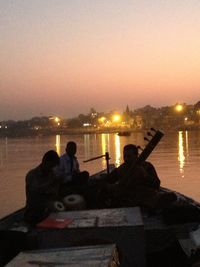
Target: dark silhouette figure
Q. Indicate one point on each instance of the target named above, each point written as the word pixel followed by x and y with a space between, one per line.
pixel 42 188
pixel 135 183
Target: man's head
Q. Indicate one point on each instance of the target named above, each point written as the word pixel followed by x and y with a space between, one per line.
pixel 50 160
pixel 130 153
pixel 71 148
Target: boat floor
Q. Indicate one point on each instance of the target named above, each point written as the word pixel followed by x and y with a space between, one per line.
pixel 160 239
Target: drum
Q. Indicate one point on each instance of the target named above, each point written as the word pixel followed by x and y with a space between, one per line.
pixel 74 202
pixel 58 206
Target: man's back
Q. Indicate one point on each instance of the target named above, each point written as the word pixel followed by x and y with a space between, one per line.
pixel 40 188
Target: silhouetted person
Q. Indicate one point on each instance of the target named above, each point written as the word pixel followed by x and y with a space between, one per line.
pixel 136 184
pixel 73 180
pixel 42 188
pixel 130 156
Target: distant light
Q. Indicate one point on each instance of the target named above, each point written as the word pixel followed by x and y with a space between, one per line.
pixel 116 118
pixel 86 124
pixel 6 127
pixel 186 119
pixel 56 119
pixel 102 119
pixel 179 107
pixel 0 126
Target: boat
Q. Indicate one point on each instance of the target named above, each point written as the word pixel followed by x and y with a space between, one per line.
pixel 156 241
pixel 141 238
pixel 124 133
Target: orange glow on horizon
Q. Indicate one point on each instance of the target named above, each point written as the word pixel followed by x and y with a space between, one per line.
pixel 94 55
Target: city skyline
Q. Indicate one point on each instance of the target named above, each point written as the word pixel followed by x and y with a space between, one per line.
pixel 62 57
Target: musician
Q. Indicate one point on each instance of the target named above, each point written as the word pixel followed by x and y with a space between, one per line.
pixel 148 172
pixel 42 188
pixel 74 180
pixel 136 183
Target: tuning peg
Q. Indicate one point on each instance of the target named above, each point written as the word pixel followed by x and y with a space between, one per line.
pixel 149 134
pixel 146 139
pixel 139 147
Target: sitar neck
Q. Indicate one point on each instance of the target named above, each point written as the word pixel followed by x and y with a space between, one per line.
pixel 151 145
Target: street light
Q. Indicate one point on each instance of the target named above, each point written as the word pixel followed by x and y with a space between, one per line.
pixel 116 118
pixel 179 107
pixel 102 119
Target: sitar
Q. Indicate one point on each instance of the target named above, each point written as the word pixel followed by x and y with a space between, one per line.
pixel 118 191
pixel 154 137
pixel 110 194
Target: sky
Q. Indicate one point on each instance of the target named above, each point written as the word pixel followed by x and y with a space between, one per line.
pixel 62 57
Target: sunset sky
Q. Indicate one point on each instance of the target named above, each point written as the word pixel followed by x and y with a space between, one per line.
pixel 62 57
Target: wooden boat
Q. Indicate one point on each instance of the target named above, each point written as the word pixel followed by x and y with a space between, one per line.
pixel 152 239
pixel 142 238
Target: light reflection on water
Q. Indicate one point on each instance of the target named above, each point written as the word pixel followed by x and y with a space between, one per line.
pixel 176 159
pixel 58 144
pixel 117 150
pixel 104 147
pixel 181 157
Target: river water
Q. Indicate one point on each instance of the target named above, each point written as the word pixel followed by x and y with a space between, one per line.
pixel 176 159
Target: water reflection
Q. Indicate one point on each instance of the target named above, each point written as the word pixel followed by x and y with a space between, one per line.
pixel 105 142
pixel 58 144
pixel 186 143
pixel 1 159
pixel 3 151
pixel 117 150
pixel 6 147
pixel 87 146
pixel 181 156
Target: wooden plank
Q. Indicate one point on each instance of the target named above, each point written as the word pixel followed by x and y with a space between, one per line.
pixel 102 218
pixel 96 256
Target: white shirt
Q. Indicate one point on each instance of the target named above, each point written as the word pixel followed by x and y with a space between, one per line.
pixel 65 169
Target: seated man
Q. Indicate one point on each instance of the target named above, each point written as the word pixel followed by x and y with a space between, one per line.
pixel 130 155
pixel 136 183
pixel 42 189
pixel 74 180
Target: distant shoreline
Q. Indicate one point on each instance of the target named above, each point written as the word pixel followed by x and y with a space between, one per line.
pixel 79 131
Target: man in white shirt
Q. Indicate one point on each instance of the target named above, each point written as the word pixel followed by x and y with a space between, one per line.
pixel 73 179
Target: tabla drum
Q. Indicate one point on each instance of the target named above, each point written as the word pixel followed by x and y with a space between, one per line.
pixel 74 202
pixel 58 206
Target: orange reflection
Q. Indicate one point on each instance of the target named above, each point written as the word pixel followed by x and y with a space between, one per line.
pixel 186 144
pixel 58 144
pixel 87 145
pixel 117 150
pixel 104 147
pixel 181 156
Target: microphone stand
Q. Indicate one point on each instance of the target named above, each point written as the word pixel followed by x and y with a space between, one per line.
pixel 106 155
